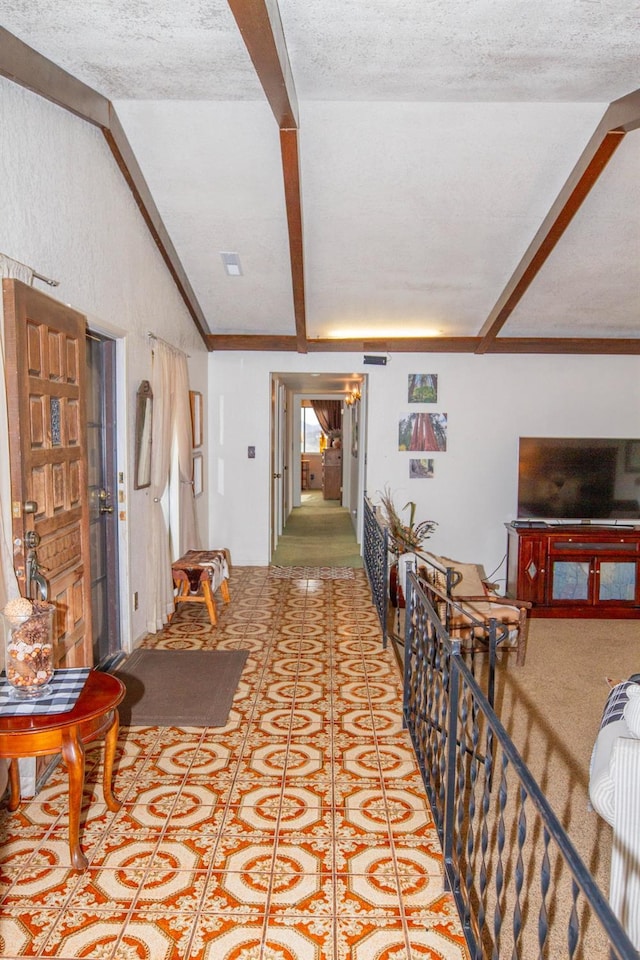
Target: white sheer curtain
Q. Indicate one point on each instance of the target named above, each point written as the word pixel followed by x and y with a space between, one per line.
pixel 189 539
pixel 171 419
pixel 160 601
pixel 10 269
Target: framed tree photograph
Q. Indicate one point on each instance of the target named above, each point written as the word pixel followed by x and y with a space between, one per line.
pixel 423 432
pixel 423 388
pixel 420 469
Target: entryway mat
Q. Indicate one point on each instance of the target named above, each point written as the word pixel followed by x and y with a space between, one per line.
pixel 180 688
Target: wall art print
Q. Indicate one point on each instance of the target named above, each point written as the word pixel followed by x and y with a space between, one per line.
pixel 421 469
pixel 423 432
pixel 423 388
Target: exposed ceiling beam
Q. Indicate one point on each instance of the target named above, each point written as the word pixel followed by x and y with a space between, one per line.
pixel 607 346
pixel 261 28
pixel 128 164
pixel 291 169
pixel 24 66
pixel 622 115
pixel 502 345
pixel 232 341
pixel 28 68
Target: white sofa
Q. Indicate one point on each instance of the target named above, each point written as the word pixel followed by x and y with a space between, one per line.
pixel 614 791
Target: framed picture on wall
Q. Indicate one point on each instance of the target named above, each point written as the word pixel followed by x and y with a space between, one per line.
pixel 423 388
pixel 421 469
pixel 423 432
pixel 197 474
pixel 195 400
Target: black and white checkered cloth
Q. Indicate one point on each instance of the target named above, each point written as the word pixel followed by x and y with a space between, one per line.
pixel 62 693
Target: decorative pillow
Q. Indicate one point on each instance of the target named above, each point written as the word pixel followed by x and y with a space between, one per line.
pixel 471 584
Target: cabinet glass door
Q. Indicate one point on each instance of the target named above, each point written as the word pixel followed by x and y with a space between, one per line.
pixel 570 580
pixel 617 581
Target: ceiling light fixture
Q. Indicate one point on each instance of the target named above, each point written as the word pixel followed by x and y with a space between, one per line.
pixel 353 397
pixel 231 263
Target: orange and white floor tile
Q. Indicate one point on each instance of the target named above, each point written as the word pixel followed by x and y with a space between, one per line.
pixel 299 831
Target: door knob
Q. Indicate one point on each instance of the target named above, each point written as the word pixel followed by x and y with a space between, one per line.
pixel 104 506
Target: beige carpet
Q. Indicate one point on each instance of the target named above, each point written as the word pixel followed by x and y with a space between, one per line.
pixel 552 709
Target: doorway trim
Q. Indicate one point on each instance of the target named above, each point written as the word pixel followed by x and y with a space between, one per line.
pixel 124 463
pixel 285 446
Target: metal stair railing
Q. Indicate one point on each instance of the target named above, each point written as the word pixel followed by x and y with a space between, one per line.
pixel 519 885
pixel 375 557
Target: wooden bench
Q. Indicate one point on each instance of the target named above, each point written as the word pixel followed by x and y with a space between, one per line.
pixel 198 575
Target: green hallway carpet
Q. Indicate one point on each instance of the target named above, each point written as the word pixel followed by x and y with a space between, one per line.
pixel 319 533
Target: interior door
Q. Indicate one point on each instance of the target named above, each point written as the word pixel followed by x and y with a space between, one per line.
pixel 45 376
pixel 277 460
pixel 102 486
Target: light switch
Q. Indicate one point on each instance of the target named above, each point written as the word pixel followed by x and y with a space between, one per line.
pixel 251 453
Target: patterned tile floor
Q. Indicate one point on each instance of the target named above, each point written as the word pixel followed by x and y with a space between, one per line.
pixel 300 831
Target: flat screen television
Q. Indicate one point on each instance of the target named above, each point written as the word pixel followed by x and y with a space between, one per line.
pixel 569 478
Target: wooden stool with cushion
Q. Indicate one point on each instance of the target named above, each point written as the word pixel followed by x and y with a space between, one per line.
pixel 198 575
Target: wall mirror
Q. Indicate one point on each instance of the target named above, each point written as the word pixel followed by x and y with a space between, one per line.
pixel 144 419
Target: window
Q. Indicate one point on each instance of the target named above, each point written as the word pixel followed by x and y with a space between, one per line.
pixel 310 431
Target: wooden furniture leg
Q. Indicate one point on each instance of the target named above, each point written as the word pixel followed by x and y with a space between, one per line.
pixel 224 590
pixel 110 741
pixel 73 756
pixel 14 783
pixel 210 601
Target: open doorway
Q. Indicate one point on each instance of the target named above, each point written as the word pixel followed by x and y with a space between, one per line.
pixel 317 459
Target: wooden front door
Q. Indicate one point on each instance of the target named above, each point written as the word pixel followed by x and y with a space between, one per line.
pixel 45 375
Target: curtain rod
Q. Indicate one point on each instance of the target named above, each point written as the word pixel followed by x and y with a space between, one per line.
pixel 52 283
pixel 35 274
pixel 154 336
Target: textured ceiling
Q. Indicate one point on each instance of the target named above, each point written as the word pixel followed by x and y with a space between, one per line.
pixel 433 139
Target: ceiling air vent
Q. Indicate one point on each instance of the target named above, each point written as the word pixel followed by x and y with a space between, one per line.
pixel 232 264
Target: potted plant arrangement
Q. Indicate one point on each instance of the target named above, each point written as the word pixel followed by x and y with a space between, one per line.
pixel 404 538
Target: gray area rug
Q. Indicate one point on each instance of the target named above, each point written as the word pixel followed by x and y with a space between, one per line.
pixel 180 688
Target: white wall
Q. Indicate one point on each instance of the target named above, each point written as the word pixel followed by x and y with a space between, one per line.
pixel 66 211
pixel 490 401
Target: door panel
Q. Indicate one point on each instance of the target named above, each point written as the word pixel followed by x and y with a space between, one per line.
pixel 45 361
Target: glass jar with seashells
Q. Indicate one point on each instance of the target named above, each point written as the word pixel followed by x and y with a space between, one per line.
pixel 28 646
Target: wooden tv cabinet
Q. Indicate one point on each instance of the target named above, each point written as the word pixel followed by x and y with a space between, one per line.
pixel 581 570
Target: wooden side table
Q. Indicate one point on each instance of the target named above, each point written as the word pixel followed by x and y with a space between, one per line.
pixel 94 715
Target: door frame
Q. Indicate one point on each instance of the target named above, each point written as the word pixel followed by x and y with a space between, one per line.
pixel 110 482
pixel 123 461
pixel 285 441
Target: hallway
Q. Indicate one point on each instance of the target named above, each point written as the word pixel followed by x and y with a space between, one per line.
pixel 318 533
pixel 300 831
